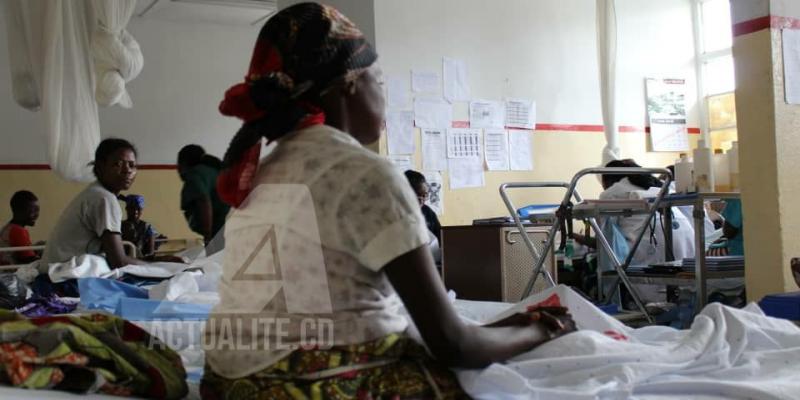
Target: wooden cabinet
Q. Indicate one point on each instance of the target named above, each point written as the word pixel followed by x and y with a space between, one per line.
pixel 491 262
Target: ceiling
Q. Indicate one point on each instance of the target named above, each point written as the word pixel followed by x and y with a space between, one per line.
pixel 225 12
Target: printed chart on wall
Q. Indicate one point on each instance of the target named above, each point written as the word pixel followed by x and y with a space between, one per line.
pixel 666 110
pixel 465 158
pixel 463 143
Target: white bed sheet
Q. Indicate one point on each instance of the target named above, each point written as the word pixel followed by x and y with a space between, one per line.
pixel 728 354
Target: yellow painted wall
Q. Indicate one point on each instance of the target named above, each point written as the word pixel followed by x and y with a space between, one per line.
pixel 787 145
pixel 769 166
pixel 557 157
pixel 161 189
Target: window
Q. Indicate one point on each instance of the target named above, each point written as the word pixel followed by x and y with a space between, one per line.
pixel 714 42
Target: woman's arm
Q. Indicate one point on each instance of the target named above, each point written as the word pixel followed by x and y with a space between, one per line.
pixel 450 340
pixel 115 253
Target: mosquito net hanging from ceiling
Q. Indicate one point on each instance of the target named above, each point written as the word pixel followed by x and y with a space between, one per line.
pixel 66 57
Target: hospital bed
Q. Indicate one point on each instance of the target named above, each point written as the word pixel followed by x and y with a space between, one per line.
pixel 130 250
pixel 590 211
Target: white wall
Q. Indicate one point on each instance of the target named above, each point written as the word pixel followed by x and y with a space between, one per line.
pixel 187 69
pixel 542 49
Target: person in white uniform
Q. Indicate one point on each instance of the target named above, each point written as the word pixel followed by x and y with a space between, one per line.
pixel 652 248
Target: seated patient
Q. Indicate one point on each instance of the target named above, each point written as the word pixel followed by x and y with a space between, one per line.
pixel 92 222
pixel 344 240
pixel 25 212
pixel 421 189
pixel 135 229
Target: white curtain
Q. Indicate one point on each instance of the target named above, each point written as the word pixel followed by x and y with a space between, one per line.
pixel 53 68
pixel 607 61
pixel 24 85
pixel 117 56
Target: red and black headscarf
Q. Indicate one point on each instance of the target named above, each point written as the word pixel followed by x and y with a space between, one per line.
pixel 301 52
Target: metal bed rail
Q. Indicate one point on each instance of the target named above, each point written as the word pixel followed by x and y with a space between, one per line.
pixel 572 193
pixel 538 267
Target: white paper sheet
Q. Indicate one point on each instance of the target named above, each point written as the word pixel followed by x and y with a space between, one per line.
pixel 425 81
pixel 434 149
pixel 496 149
pixel 465 172
pixel 456 87
pixel 402 163
pixel 521 156
pixel 666 112
pixel 435 192
pixel 397 88
pixel 464 143
pixel 791 65
pixel 433 113
pixel 400 132
pixel 486 114
pixel 521 113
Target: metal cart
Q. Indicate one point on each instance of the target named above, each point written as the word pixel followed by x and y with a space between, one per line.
pixel 591 216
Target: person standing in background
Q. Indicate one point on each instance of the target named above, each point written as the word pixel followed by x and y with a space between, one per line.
pixel 204 211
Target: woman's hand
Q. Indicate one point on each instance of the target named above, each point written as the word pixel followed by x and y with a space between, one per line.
pixel 556 321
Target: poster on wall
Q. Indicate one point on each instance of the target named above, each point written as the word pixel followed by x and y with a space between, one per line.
pixel 435 194
pixel 666 110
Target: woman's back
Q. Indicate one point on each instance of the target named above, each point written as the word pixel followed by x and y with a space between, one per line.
pixel 325 216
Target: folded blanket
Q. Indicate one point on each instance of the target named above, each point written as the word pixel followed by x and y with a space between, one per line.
pixel 87 354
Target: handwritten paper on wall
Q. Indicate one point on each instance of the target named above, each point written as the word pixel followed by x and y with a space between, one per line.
pixel 456 86
pixel 401 163
pixel 464 143
pixel 521 113
pixel 521 156
pixel 397 89
pixel 791 65
pixel 486 114
pixel 434 149
pixel 425 81
pixel 433 113
pixel 435 191
pixel 400 132
pixel 496 149
pixel 666 110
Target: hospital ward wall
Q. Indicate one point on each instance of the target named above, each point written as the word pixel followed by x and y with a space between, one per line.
pixel 187 68
pixel 543 50
pixel 769 144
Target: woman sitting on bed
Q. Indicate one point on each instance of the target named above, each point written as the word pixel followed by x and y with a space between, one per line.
pixel 327 242
pixel 92 222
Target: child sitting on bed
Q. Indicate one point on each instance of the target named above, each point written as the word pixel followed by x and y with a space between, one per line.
pixel 25 210
pixel 135 230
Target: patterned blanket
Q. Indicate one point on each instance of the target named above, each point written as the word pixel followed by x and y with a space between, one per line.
pixel 87 354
